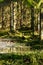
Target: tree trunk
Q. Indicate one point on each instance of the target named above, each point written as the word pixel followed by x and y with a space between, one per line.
pixel 2 18
pixel 40 25
pixel 17 14
pixel 12 16
pixel 32 19
pixel 20 13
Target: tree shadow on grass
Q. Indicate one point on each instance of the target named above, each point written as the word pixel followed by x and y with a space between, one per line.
pixel 35 44
pixel 19 39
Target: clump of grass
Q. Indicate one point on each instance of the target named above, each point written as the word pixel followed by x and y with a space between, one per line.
pixel 33 58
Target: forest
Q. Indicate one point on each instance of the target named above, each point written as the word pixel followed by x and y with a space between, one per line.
pixel 21 32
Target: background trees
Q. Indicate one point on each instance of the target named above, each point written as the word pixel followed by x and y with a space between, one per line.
pixel 21 14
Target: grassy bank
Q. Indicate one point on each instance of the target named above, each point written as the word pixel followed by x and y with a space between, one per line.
pixel 22 59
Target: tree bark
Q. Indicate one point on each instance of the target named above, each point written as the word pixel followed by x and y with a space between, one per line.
pixel 2 18
pixel 40 25
pixel 32 19
pixel 12 16
pixel 21 13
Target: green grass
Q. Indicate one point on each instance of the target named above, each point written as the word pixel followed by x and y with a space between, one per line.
pixel 33 58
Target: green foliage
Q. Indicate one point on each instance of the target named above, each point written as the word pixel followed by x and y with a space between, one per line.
pixel 25 59
pixel 28 2
pixel 37 1
pixel 32 2
pixel 1 0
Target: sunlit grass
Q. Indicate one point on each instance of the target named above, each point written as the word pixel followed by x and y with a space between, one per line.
pixel 33 58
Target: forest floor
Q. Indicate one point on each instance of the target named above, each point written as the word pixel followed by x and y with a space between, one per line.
pixel 20 45
pixel 22 38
